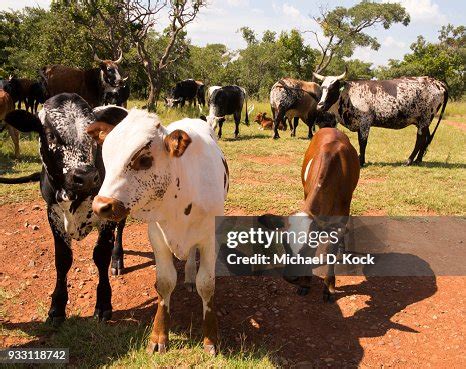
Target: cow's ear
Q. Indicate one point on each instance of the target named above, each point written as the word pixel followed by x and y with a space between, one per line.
pixel 177 142
pixel 99 131
pixel 111 114
pixel 24 121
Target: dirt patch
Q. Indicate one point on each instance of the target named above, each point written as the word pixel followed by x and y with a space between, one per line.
pixel 375 213
pixel 458 125
pixel 401 322
pixel 268 159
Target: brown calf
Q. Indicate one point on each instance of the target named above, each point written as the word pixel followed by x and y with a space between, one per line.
pixel 266 123
pixel 7 105
pixel 329 174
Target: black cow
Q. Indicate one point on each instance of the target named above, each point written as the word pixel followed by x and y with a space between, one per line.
pixel 37 95
pixel 225 101
pixel 395 104
pixel 186 91
pixel 117 96
pixel 72 173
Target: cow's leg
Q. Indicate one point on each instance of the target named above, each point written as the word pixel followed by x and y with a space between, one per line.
pixel 14 134
pixel 190 270
pixel 310 124
pixel 293 125
pixel 237 118
pixel 165 284
pixel 420 137
pixel 279 118
pixel 424 141
pixel 117 251
pixel 363 135
pixel 205 284
pixel 63 261
pixel 220 124
pixel 102 255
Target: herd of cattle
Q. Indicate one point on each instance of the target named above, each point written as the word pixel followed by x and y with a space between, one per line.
pixel 176 178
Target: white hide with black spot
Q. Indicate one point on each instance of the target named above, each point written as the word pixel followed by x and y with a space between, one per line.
pixel 181 195
pixel 391 104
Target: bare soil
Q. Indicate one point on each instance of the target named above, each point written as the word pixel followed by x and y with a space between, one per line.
pixel 375 322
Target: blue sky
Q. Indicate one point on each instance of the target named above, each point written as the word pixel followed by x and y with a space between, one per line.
pixel 219 22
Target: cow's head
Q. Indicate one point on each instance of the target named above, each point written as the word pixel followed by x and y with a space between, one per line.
pixel 139 172
pixel 13 88
pixel 110 71
pixel 331 88
pixel 68 154
pixel 171 102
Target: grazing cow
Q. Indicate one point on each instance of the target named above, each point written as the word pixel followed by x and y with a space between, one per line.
pixel 266 122
pixel 19 89
pixel 225 101
pixel 72 172
pixel 294 99
pixel 329 174
pixel 7 105
pixel 394 104
pixel 201 93
pixel 176 180
pixel 37 95
pixel 91 84
pixel 185 91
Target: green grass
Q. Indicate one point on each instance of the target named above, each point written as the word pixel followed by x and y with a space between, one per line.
pixel 265 173
pixel 456 110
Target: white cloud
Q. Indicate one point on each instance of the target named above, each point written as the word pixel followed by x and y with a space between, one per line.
pixel 391 42
pixel 423 11
pixel 19 4
pixel 290 10
pixel 238 2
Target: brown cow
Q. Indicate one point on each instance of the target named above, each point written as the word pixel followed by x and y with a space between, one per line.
pixel 7 105
pixel 294 99
pixel 266 123
pixel 91 84
pixel 329 174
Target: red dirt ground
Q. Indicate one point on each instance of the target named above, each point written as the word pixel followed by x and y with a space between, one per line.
pixel 376 322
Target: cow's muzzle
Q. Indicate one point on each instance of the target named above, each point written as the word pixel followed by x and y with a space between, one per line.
pixel 321 106
pixel 83 179
pixel 109 208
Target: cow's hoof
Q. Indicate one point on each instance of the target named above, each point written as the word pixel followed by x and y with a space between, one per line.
pixel 328 297
pixel 102 315
pixel 191 287
pixel 302 291
pixel 276 137
pixel 117 267
pixel 153 347
pixel 55 321
pixel 210 349
pixel 408 162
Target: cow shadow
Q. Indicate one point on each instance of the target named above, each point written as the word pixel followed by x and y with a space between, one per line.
pixel 256 312
pixel 424 164
pixel 145 254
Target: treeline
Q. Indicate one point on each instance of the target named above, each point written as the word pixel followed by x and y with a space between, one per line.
pixel 34 37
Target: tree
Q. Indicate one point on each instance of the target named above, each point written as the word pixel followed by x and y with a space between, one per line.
pixel 445 60
pixel 248 35
pixel 344 28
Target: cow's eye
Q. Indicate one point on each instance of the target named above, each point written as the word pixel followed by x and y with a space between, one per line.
pixel 145 162
pixel 50 136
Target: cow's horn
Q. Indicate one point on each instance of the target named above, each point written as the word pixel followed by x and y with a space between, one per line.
pixel 341 76
pixel 120 58
pixel 96 58
pixel 318 76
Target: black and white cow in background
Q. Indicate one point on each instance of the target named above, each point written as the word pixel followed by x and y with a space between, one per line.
pixel 225 101
pixel 72 173
pixel 117 96
pixel 186 91
pixel 394 104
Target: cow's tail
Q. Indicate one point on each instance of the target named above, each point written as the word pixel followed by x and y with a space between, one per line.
pixel 445 101
pixel 34 177
pixel 247 113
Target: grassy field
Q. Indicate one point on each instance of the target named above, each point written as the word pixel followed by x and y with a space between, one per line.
pixel 265 177
pixel 265 174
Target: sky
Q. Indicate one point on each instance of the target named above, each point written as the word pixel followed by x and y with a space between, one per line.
pixel 220 20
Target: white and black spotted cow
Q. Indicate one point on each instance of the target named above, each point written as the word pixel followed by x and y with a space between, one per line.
pixel 394 104
pixel 72 173
pixel 176 180
pixel 227 100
